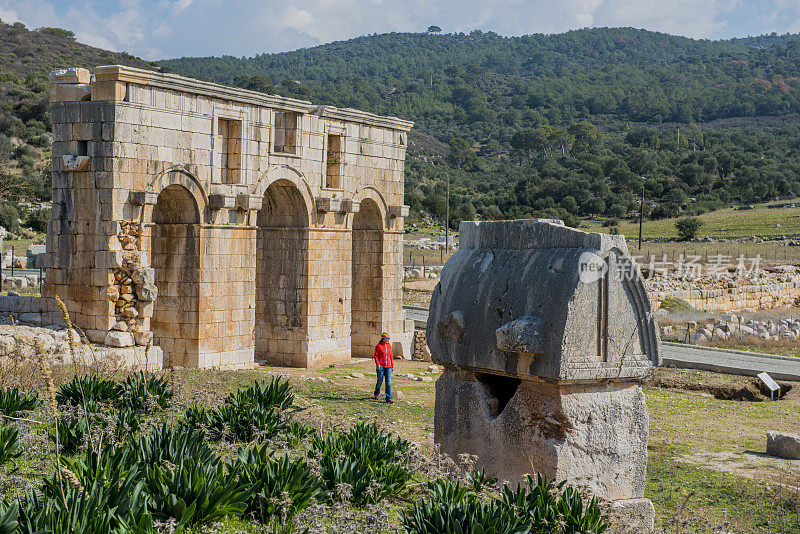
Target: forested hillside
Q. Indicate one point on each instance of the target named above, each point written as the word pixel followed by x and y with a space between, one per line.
pixel 26 58
pixel 563 124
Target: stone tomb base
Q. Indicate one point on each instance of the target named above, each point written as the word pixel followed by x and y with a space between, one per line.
pixel 593 436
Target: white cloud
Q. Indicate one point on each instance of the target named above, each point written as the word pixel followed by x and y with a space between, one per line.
pixel 169 28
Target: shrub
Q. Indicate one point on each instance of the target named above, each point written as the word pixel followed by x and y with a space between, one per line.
pixel 363 443
pixel 8 518
pixel 281 487
pixel 347 479
pixel 194 492
pixel 37 220
pixel 688 227
pixel 14 401
pixel 9 217
pixel 540 508
pixel 9 444
pixel 128 423
pixel 146 393
pixel 469 516
pixel 87 388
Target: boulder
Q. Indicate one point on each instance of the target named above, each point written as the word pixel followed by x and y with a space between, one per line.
pixel 116 338
pixel 783 445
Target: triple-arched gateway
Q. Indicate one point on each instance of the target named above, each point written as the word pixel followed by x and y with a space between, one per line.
pixel 223 225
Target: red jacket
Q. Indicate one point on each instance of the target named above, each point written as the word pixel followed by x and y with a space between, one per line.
pixel 383 355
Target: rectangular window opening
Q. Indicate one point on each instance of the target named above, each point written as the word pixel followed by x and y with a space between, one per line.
pixel 229 134
pixel 286 132
pixel 333 175
pixel 83 148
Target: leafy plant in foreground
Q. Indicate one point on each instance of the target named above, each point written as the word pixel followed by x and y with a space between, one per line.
pixel 146 392
pixel 281 487
pixel 9 444
pixel 195 492
pixel 172 444
pixel 13 401
pixel 88 388
pixel 72 433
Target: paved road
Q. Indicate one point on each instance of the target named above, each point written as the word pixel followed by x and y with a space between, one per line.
pixel 694 357
pixel 21 272
pixel 730 361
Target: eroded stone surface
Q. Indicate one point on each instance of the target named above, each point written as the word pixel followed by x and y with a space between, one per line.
pixel 221 224
pixel 545 333
pixel 783 445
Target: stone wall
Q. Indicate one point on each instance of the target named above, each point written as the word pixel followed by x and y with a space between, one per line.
pixel 750 297
pixel 33 325
pixel 241 206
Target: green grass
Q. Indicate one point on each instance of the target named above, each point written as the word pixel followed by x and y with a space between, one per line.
pixel 726 223
pixel 709 498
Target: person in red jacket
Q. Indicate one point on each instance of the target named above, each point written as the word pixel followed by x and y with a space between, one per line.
pixel 383 366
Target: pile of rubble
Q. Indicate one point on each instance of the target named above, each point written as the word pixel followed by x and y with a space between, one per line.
pixel 427 243
pixel 417 273
pixel 729 325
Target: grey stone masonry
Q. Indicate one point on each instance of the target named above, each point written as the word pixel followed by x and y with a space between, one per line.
pixel 545 333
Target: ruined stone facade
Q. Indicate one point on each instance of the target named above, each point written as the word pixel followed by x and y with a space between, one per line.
pixel 221 224
pixel 545 332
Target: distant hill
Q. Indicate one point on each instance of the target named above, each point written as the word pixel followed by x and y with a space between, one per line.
pixel 542 125
pixel 481 86
pixel 26 58
pixel 561 125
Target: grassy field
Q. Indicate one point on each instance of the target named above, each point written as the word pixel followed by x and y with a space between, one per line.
pixel 706 469
pixel 728 223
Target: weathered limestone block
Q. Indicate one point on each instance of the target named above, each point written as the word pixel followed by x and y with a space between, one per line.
pixel 115 338
pixel 783 445
pixel 545 333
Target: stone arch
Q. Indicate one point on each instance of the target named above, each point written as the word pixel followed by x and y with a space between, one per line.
pixel 175 259
pixel 286 173
pixel 282 271
pixel 189 182
pixel 370 193
pixel 367 278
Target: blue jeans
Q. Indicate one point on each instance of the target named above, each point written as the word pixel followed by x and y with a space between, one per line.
pixel 384 372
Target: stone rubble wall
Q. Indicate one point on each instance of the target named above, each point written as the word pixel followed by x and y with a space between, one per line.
pixel 749 297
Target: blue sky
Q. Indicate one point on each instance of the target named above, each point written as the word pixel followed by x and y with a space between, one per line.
pixel 156 29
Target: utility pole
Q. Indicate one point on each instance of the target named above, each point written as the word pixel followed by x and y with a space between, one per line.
pixel 447 217
pixel 641 214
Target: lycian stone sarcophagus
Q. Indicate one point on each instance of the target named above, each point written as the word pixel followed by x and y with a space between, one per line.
pixel 544 332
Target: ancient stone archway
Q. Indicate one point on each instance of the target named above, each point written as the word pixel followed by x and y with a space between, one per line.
pixel 281 322
pixel 174 255
pixel 367 296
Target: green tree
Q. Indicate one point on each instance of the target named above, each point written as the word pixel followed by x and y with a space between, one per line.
pixel 461 155
pixel 434 29
pixel 688 227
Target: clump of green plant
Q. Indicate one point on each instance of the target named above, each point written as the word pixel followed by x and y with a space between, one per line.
pixel 281 487
pixel 72 433
pixel 275 394
pixel 370 463
pixel 193 491
pixel 688 227
pixel 259 411
pixel 86 388
pixel 168 443
pixel 145 392
pixel 9 444
pixel 540 507
pixel 13 401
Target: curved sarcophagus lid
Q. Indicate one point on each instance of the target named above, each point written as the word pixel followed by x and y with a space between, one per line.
pixel 533 298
